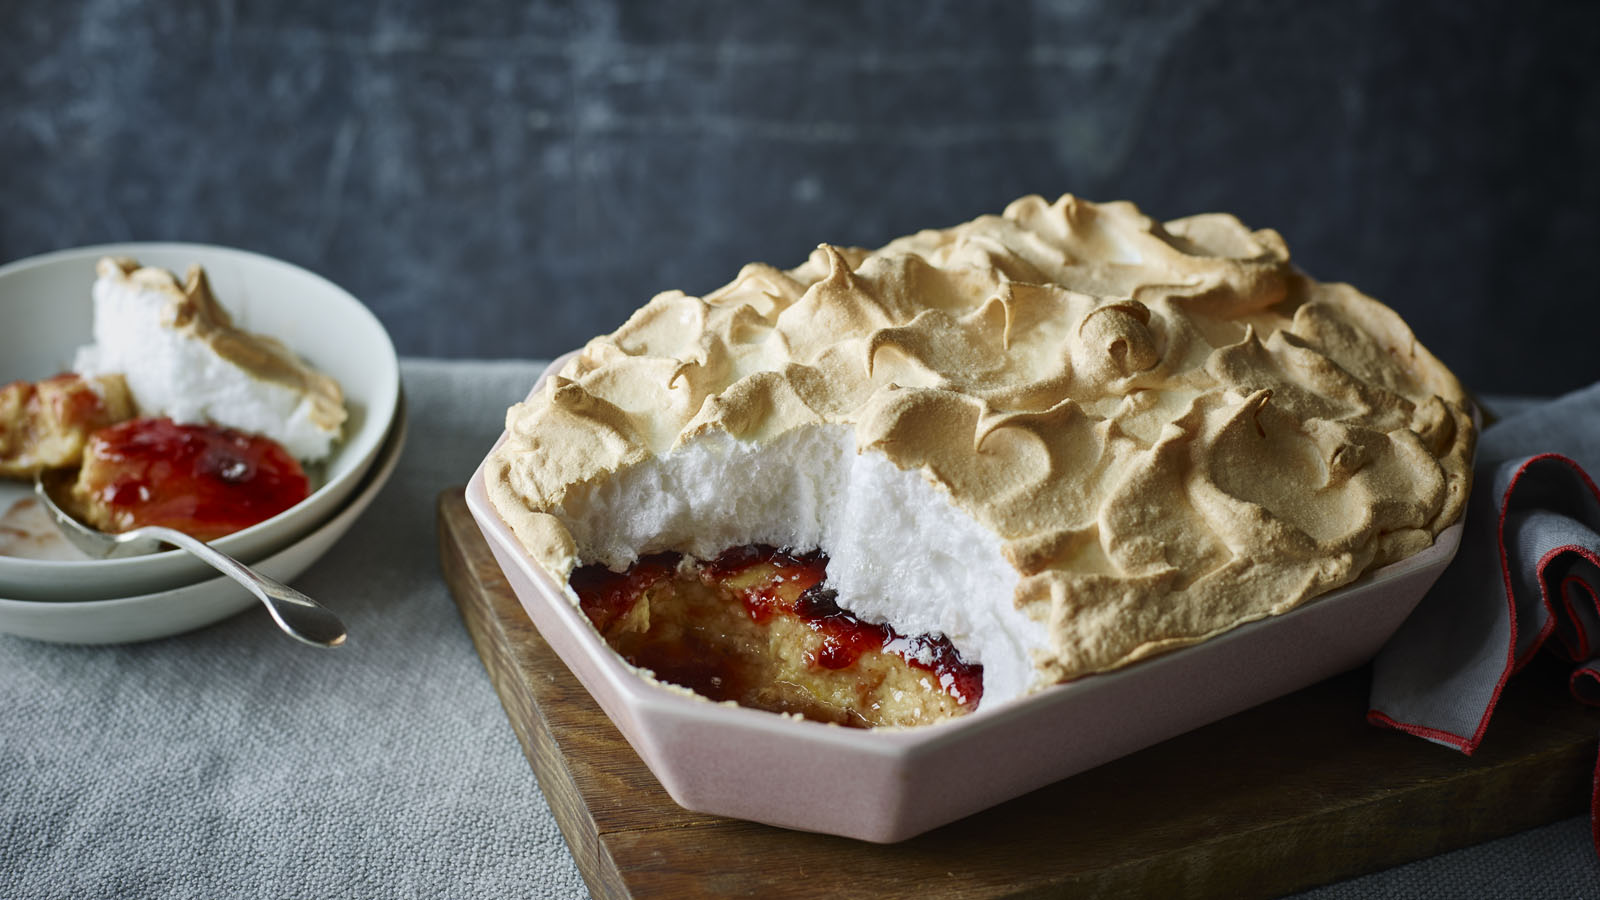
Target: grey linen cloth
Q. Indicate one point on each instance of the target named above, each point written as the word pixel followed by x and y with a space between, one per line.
pixel 1527 576
pixel 234 762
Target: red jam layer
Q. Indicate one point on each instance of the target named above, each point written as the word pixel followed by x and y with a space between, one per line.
pixel 607 597
pixel 204 480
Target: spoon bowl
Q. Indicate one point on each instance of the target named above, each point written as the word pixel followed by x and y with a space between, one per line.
pixel 297 615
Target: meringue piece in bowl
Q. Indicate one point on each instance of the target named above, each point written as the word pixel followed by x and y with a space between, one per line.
pixel 177 348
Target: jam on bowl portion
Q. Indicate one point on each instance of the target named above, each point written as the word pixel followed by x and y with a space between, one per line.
pixel 204 480
pixel 758 626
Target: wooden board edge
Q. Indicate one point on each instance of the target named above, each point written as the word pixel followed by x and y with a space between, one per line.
pixel 1271 860
pixel 468 585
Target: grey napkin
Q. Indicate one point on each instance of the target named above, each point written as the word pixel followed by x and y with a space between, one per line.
pixel 1528 570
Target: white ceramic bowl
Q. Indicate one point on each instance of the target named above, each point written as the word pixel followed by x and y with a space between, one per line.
pixel 164 613
pixel 46 313
pixel 889 785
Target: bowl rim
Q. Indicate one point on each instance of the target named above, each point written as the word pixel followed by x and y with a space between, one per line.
pixel 382 409
pixel 646 694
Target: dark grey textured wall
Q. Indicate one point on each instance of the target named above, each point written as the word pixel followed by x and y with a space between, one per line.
pixel 508 179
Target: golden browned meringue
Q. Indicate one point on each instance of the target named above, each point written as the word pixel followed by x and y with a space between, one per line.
pixel 1169 429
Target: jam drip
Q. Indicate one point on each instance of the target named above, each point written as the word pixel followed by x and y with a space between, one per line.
pixel 715 655
pixel 204 480
pixel 609 596
pixel 847 637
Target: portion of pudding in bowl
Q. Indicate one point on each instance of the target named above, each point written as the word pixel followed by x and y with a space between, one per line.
pixel 1056 441
pixel 174 417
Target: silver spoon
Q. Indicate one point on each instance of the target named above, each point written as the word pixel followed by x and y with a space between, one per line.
pixel 300 617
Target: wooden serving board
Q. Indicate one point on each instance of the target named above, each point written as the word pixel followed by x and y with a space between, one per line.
pixel 1292 794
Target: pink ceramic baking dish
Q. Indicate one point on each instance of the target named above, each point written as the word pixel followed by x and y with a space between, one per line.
pixel 890 785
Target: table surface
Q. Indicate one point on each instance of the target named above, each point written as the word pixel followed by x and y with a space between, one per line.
pixel 234 762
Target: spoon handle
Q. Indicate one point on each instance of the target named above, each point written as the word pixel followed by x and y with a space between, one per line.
pixel 300 617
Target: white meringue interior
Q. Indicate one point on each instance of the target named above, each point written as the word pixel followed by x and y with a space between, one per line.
pixel 899 550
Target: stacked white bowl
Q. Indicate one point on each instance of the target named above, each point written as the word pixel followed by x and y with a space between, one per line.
pixel 46 314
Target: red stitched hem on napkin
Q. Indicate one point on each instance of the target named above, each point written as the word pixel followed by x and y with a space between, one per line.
pixel 1584 684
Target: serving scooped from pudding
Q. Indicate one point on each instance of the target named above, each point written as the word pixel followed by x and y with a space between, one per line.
pixel 1039 445
pixel 173 416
